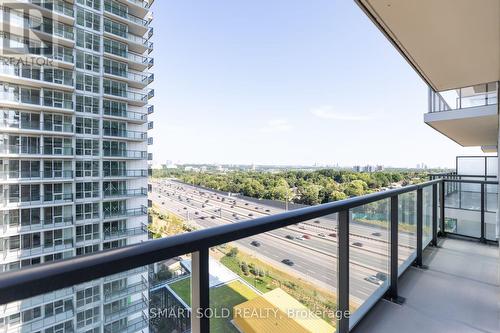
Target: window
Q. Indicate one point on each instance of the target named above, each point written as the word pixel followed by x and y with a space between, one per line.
pixel 87 147
pixel 87 211
pixel 114 244
pixel 88 40
pixel 115 88
pixel 87 104
pixel 57 307
pixel 57 237
pixel 57 75
pixel 31 314
pixel 66 327
pixel 115 47
pixel 114 108
pixel 87 61
pixel 57 99
pixel 87 317
pixel 88 19
pixel 30 241
pixel 94 4
pixel 114 168
pixel 30 217
pixel 87 296
pixel 115 28
pixel 87 126
pixel 80 251
pixel 87 190
pixel 87 169
pixel 89 83
pixel 115 68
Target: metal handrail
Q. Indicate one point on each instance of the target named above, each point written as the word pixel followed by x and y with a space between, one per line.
pixel 44 278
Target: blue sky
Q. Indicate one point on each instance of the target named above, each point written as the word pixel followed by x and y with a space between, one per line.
pixel 285 82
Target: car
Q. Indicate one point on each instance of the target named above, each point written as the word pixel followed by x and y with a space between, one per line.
pixel 232 206
pixel 289 236
pixel 306 236
pixel 332 234
pixel 206 201
pixel 159 196
pixel 256 207
pixel 302 227
pixel 163 202
pixel 373 279
pixel 255 243
pixel 268 210
pixel 196 213
pixel 246 203
pixel 321 235
pixel 235 214
pixel 377 234
pixel 203 206
pixel 250 214
pixel 299 238
pixel 202 217
pixel 212 217
pixel 358 244
pixel 185 208
pixel 287 262
pixel 381 276
pixel 317 221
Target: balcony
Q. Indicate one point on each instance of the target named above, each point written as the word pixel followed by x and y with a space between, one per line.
pixel 122 233
pixel 118 173
pixel 133 97
pixel 136 24
pixel 138 287
pixel 384 254
pixel 125 193
pixel 466 115
pixel 134 79
pixel 58 151
pixel 131 326
pixel 125 134
pixel 116 214
pixel 126 154
pixel 135 61
pixel 30 176
pixel 136 43
pixel 63 10
pixel 135 117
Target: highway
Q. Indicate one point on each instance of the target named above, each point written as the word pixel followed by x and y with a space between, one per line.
pixel 310 245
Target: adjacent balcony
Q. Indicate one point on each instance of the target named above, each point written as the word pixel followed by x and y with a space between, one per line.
pixel 134 60
pixel 124 213
pixel 125 193
pixel 29 176
pixel 131 326
pixel 133 97
pixel 111 315
pixel 468 115
pixel 138 287
pixel 16 125
pixel 135 117
pixel 119 173
pixel 123 233
pixel 125 134
pixel 134 79
pixel 58 7
pixel 58 100
pixel 126 154
pixel 136 24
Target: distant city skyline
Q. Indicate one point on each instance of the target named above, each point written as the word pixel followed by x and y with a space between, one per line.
pixel 287 83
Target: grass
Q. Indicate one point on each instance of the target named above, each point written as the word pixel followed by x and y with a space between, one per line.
pixel 166 224
pixel 305 292
pixel 225 296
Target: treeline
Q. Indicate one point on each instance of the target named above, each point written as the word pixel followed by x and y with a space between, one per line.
pixel 303 187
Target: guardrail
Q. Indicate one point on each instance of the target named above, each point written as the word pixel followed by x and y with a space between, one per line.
pixel 45 278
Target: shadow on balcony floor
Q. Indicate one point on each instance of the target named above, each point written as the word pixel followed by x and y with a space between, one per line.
pixel 460 292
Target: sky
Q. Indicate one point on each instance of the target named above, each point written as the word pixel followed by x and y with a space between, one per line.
pixel 286 82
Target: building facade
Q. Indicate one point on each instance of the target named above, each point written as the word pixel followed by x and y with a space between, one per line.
pixel 74 105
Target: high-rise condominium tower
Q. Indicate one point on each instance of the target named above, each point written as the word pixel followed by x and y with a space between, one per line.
pixel 73 154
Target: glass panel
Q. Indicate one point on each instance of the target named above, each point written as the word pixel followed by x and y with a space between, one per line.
pixel 369 256
pixel 427 215
pixel 407 230
pixel 491 193
pixel 463 204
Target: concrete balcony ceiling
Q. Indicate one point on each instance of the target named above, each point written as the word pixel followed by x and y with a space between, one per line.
pixel 450 43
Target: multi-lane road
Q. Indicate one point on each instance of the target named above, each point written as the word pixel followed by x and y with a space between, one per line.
pixel 310 245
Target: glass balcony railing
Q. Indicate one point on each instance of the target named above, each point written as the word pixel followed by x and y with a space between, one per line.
pixel 111 193
pixel 36 175
pixel 463 98
pixel 121 233
pixel 131 326
pixel 139 116
pixel 19 149
pixel 110 7
pixel 58 151
pixel 110 295
pixel 141 3
pixel 133 135
pixel 119 173
pixel 108 214
pixel 132 154
pixel 58 127
pixel 331 262
pixel 57 6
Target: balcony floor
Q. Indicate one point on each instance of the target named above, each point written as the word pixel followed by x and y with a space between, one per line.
pixel 458 293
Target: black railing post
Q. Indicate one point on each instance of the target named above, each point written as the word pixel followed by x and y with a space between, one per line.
pixel 441 208
pixel 420 227
pixel 483 226
pixel 434 214
pixel 343 272
pixel 392 293
pixel 200 321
